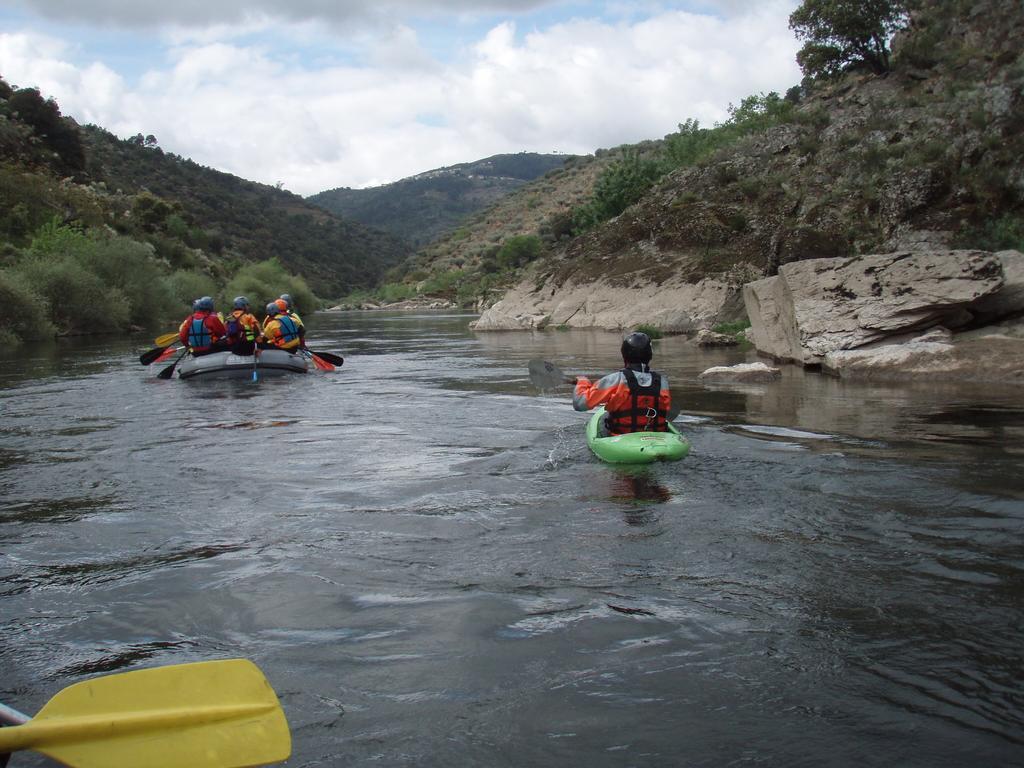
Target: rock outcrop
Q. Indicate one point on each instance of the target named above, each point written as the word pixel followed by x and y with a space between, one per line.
pixel 674 306
pixel 863 317
pixel 996 355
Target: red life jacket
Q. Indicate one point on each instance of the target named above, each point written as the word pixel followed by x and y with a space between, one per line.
pixel 643 413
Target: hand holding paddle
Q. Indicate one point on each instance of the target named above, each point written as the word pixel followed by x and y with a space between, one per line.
pixel 211 714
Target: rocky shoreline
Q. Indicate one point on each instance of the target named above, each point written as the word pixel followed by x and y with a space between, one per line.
pixel 951 315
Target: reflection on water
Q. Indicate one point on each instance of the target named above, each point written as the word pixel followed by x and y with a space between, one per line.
pixel 432 568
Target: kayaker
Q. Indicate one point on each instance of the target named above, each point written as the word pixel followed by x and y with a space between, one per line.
pixel 242 327
pixel 636 398
pixel 280 330
pixel 203 331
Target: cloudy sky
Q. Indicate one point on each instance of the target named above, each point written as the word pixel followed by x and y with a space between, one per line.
pixel 317 94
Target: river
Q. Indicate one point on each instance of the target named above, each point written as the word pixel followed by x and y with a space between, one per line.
pixel 431 568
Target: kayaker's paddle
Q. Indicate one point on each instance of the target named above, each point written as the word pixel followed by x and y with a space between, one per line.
pixel 167 372
pixel 546 375
pixel 167 338
pixel 211 714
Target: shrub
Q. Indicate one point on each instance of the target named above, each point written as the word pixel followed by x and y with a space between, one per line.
pixel 187 286
pixel 650 330
pixel 1004 233
pixel 519 250
pixel 263 282
pixel 24 313
pixel 79 301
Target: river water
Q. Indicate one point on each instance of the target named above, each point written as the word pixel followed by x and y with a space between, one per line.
pixel 430 567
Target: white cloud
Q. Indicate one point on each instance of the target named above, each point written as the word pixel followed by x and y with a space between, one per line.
pixel 201 13
pixel 572 87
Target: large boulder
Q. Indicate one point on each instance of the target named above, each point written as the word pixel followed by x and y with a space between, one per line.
pixel 744 373
pixel 818 306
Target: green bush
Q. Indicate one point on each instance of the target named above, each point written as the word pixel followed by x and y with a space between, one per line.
pixel 1004 233
pixel 80 302
pixel 652 331
pixel 263 282
pixel 620 185
pixel 187 286
pixel 519 250
pixel 24 313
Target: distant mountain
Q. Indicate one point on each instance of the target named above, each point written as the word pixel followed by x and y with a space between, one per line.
pixel 421 208
pixel 249 221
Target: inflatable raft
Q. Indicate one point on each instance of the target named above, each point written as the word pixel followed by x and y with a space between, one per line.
pixel 229 365
pixel 635 447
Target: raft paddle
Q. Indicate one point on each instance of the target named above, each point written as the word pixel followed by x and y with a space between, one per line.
pixel 169 352
pixel 156 354
pixel 209 714
pixel 167 338
pixel 318 361
pixel 255 362
pixel 330 357
pixel 167 372
pixel 546 375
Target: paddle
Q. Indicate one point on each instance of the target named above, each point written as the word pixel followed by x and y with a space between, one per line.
pixel 545 375
pixel 168 353
pixel 210 714
pixel 167 372
pixel 318 361
pixel 152 355
pixel 255 362
pixel 167 338
pixel 330 357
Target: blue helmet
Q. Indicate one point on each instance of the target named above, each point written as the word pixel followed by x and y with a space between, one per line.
pixel 287 299
pixel 206 304
pixel 241 302
pixel 195 305
pixel 272 309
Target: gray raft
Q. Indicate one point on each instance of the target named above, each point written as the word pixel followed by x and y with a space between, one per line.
pixel 272 362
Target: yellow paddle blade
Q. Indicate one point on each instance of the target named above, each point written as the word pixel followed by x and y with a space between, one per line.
pixel 212 714
pixel 167 338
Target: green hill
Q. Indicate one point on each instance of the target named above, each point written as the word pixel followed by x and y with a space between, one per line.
pixel 421 208
pixel 245 220
pixel 925 154
pixel 99 234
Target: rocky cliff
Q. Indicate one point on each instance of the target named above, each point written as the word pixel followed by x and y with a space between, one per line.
pixel 853 226
pixel 926 158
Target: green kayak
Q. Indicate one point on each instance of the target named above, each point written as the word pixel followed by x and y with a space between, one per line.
pixel 636 447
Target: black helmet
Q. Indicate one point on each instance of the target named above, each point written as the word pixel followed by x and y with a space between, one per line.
pixel 241 302
pixel 272 309
pixel 636 348
pixel 206 304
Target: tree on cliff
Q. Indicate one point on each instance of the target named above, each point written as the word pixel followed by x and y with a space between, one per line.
pixel 843 33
